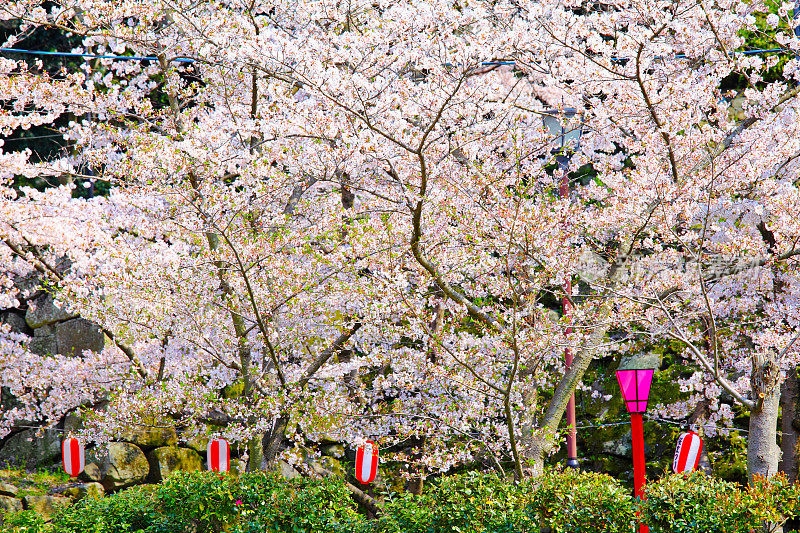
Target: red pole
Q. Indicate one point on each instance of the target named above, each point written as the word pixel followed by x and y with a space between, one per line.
pixel 572 434
pixel 637 434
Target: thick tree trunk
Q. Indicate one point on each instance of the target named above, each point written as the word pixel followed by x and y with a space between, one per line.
pixel 543 439
pixel 255 457
pixel 762 447
pixel 272 443
pixel 790 423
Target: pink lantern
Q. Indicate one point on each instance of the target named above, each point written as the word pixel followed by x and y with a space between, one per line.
pixel 72 457
pixel 218 453
pixel 635 385
pixel 687 452
pixel 366 462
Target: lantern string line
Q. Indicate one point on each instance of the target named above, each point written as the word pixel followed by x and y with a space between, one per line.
pixel 666 421
pixel 565 429
pixel 33 137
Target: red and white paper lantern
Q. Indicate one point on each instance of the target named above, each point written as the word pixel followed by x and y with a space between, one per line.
pixel 219 455
pixel 687 452
pixel 366 462
pixel 72 456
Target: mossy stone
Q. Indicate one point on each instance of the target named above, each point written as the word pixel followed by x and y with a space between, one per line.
pixel 168 459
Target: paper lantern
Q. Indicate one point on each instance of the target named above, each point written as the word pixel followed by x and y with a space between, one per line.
pixel 687 452
pixel 219 455
pixel 72 456
pixel 366 462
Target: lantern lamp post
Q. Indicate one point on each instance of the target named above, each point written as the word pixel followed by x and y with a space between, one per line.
pixel 635 385
pixel 566 142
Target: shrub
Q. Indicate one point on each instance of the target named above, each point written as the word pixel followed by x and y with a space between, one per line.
pixel 560 502
pixel 24 522
pixel 126 511
pixel 580 502
pixel 198 501
pixel 273 504
pixel 774 500
pixel 689 503
pixel 468 503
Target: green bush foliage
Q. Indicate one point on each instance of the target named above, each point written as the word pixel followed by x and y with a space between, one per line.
pixel 127 511
pixel 696 503
pixel 581 502
pixel 199 501
pixel 468 503
pixel 557 502
pixel 268 503
pixel 775 499
pixel 24 522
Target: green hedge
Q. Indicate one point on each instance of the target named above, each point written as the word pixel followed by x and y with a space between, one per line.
pixel 581 502
pixel 695 502
pixel 558 502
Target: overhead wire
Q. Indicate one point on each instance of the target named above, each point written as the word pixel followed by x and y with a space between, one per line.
pixel 190 60
pixel 92 56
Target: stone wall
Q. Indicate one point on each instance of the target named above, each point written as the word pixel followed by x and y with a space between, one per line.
pixel 108 468
pixel 122 464
pixel 53 330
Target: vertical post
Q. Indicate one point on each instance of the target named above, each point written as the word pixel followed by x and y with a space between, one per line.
pixel 554 122
pixel 637 434
pixel 572 434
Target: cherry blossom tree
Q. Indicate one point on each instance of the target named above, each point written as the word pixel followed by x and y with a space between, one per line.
pixel 350 211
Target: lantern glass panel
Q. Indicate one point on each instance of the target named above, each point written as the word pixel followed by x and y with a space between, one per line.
pixel 566 133
pixel 635 385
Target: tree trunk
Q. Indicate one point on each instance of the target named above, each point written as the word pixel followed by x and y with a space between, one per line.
pixel 790 423
pixel 545 437
pixel 762 447
pixel 272 443
pixel 255 454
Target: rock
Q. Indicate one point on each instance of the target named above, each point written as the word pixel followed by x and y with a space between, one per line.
pixel 237 467
pixel 91 472
pixel 72 422
pixel 82 490
pixel 26 450
pixel 164 461
pixel 29 285
pixel 152 437
pixel 43 311
pixel 16 321
pixel 620 448
pixel 44 341
pixel 44 506
pixel 76 335
pixel 332 465
pixel 199 444
pixel 287 471
pixel 123 464
pixel 640 360
pixel 7 489
pixel 9 505
pixel 332 450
